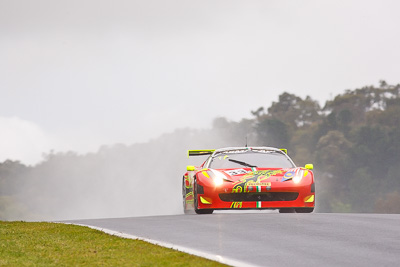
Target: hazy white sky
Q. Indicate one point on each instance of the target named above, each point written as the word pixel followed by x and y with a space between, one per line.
pixel 77 74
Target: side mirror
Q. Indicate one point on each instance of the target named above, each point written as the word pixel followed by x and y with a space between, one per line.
pixel 190 168
pixel 309 166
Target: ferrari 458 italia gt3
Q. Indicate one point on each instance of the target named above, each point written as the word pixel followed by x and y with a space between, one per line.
pixel 248 178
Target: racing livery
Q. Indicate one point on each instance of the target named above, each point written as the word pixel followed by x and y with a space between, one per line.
pixel 248 178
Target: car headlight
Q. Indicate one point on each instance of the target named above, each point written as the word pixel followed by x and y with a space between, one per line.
pixel 218 181
pixel 298 176
pixel 218 177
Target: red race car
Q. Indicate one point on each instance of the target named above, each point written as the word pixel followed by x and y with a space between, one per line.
pixel 248 178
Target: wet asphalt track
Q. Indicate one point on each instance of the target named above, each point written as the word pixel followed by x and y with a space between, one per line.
pixel 273 239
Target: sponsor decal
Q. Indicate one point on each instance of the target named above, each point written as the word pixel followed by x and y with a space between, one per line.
pixel 255 179
pixel 236 172
pixel 290 174
pixel 258 184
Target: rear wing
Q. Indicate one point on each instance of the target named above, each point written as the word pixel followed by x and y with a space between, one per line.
pixel 200 152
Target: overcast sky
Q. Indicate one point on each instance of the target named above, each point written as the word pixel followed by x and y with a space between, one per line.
pixel 78 74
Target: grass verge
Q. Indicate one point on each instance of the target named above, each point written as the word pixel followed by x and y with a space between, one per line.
pixel 54 244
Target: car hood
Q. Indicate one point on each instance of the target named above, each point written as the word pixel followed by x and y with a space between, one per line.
pixel 259 174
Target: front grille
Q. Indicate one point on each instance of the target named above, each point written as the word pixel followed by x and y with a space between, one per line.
pixel 263 196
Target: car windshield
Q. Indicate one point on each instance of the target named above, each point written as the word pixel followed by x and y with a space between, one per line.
pixel 250 159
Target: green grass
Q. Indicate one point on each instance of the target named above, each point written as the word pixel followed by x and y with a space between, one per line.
pixel 53 244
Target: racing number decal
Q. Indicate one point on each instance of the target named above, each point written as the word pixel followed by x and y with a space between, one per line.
pixel 237 189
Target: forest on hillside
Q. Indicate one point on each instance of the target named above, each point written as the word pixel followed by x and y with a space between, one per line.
pixel 353 141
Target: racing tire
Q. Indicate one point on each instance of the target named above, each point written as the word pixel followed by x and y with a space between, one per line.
pixel 196 204
pixel 304 210
pixel 287 210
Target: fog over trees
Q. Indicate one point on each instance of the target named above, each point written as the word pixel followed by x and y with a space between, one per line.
pixel 353 141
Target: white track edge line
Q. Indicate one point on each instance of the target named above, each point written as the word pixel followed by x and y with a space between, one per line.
pixel 213 257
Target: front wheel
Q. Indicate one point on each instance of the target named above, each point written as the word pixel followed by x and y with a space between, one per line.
pixel 196 204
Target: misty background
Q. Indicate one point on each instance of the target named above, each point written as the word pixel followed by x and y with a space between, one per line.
pixel 353 140
pixel 99 98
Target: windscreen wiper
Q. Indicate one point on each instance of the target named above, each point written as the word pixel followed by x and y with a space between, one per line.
pixel 242 163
